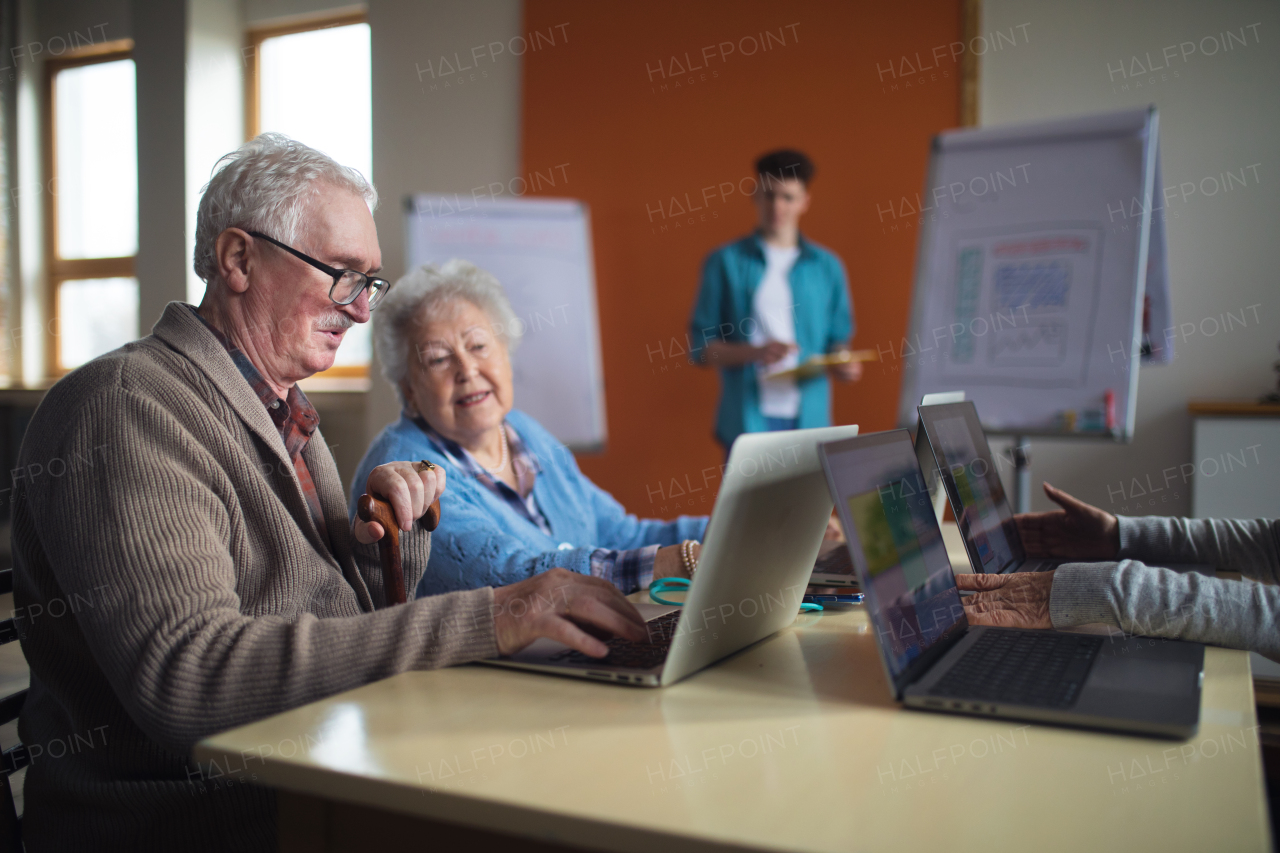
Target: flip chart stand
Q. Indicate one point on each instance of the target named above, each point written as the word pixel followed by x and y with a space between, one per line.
pixel 1021 451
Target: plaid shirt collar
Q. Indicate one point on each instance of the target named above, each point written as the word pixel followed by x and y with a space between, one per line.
pixel 523 461
pixel 294 416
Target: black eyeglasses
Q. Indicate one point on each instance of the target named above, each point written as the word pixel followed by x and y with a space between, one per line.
pixel 347 284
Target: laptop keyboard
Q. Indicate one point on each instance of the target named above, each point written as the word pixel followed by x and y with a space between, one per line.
pixel 1022 668
pixel 630 654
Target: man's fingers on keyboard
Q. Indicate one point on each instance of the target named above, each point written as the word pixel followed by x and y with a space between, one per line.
pixel 610 611
pixel 625 609
pixel 594 630
pixel 603 612
pixel 575 638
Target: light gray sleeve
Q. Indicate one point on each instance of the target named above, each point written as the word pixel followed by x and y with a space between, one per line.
pixel 1157 602
pixel 1248 546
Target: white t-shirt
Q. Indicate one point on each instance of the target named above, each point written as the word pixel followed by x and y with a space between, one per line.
pixel 773 311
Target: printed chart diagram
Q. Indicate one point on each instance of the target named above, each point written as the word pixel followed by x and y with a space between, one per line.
pixel 1033 299
pixel 1023 304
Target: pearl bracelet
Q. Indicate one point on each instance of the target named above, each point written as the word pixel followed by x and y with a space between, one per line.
pixel 686 557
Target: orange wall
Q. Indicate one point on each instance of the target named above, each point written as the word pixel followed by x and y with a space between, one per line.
pixel 831 85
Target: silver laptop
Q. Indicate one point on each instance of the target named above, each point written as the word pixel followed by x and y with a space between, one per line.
pixel 757 556
pixel 833 567
pixel 933 658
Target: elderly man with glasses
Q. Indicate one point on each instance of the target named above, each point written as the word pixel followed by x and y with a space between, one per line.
pixel 190 567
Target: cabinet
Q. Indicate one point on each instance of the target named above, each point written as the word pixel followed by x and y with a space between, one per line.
pixel 1237 459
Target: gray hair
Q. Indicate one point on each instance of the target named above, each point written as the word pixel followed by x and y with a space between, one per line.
pixel 425 290
pixel 264 185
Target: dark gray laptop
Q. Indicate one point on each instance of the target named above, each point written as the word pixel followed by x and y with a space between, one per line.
pixel 955 458
pixel 935 660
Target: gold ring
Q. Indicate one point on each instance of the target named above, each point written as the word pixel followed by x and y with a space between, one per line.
pixel 424 465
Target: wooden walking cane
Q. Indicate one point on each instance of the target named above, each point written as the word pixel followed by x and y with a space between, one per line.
pixel 373 508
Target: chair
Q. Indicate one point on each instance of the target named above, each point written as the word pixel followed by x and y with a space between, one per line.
pixel 371 508
pixel 16 758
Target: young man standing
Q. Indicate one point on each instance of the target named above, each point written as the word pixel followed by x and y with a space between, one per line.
pixel 768 302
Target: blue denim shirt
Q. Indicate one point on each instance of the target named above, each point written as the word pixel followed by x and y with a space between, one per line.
pixel 483 541
pixel 823 317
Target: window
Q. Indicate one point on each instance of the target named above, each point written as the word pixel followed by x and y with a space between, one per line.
pixel 313 84
pixel 92 216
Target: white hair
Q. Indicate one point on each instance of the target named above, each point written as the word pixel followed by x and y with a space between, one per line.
pixel 264 185
pixel 426 290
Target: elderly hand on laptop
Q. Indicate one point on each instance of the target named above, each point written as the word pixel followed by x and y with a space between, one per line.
pixel 1078 531
pixel 1019 600
pixel 564 606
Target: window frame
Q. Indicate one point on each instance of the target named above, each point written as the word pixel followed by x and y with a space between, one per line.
pixel 57 269
pixel 254 37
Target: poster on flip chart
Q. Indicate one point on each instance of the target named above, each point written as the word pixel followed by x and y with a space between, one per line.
pixel 1040 280
pixel 540 252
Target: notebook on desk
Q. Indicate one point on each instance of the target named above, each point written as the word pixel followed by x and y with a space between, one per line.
pixel 935 660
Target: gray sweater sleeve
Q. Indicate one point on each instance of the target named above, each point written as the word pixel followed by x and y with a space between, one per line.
pixel 1159 602
pixel 1250 547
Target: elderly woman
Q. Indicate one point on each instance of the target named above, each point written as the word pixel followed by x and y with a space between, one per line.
pixel 516 504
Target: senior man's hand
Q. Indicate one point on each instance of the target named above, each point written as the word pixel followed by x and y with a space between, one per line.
pixel 564 606
pixel 1019 600
pixel 408 490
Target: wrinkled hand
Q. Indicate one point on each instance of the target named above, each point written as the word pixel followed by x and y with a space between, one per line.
pixel 560 604
pixel 849 371
pixel 1078 531
pixel 409 492
pixel 1020 600
pixel 773 351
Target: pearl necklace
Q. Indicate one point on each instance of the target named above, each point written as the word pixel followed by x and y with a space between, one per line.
pixel 506 453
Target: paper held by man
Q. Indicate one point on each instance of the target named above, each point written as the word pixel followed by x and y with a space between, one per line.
pixel 815 364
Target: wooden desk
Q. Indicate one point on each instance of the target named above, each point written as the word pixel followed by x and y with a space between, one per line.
pixel 791 744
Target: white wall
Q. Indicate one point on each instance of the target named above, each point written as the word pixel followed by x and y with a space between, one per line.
pixel 215 93
pixel 1218 112
pixel 447 140
pixel 160 53
pixel 258 13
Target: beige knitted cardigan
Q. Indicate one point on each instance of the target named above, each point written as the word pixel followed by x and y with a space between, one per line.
pixel 170 583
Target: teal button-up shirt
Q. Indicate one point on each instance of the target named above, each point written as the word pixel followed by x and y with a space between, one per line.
pixel 823 317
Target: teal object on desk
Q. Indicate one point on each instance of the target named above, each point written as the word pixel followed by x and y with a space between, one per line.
pixel 682 585
pixel 668 585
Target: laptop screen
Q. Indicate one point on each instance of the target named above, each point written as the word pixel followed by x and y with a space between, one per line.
pixel 896 547
pixel 973 484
